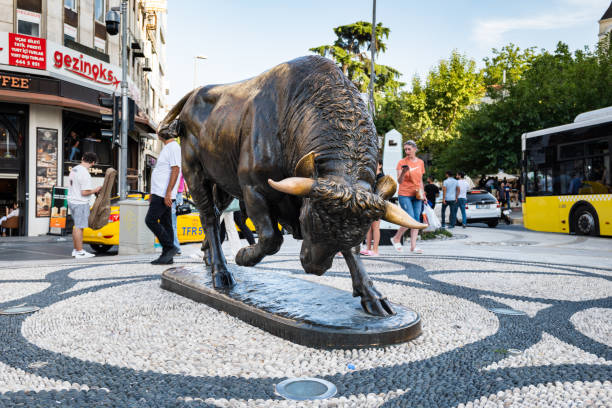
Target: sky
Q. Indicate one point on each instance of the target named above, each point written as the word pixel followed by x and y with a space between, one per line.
pixel 242 38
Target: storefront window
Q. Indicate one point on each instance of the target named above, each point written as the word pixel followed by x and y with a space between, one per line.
pixel 82 134
pixel 8 147
pixel 11 142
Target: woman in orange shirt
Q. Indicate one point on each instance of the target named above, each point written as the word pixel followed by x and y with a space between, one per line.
pixel 410 171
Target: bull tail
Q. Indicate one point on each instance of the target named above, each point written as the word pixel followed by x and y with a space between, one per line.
pixel 175 111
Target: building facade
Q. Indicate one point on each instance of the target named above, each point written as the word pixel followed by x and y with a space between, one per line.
pixel 605 23
pixel 56 60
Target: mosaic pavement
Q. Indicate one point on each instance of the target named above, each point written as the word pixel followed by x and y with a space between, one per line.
pixel 107 335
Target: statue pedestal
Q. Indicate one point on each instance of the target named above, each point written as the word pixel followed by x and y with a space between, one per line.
pixel 300 311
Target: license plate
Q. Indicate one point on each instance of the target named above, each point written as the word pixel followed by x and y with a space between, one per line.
pixel 482 205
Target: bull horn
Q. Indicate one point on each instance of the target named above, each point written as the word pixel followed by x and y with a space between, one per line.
pixel 396 215
pixel 306 166
pixel 385 187
pixel 299 186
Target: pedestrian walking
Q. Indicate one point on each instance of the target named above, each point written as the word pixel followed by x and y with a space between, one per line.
pixel 164 187
pixel 450 190
pixel 373 235
pixel 80 190
pixel 410 171
pixel 463 187
pixel 507 191
pixel 431 192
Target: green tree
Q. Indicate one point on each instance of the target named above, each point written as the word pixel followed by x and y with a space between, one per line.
pixel 511 60
pixel 430 111
pixel 350 52
pixel 552 91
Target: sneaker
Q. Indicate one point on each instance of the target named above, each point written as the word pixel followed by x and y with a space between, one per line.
pixel 74 252
pixel 83 254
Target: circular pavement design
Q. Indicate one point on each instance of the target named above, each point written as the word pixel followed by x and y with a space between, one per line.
pixel 126 342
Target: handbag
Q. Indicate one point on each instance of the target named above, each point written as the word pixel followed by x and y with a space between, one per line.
pixel 419 194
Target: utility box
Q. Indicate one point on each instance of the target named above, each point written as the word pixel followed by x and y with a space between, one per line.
pixel 134 235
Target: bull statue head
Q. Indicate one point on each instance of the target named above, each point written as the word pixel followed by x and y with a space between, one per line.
pixel 336 216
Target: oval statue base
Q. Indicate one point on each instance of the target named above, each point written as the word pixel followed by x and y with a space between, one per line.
pixel 294 309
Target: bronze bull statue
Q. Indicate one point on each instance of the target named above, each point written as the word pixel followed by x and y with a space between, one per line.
pixel 297 144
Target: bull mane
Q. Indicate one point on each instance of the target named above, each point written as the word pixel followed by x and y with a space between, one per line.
pixel 327 109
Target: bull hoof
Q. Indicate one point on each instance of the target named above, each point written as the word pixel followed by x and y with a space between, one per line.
pixel 246 256
pixel 223 280
pixel 372 301
pixel 377 307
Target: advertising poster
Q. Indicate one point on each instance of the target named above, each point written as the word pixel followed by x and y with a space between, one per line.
pixel 46 169
pixel 59 209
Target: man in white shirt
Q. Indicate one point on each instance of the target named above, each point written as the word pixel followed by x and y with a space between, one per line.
pixel 462 188
pixel 163 193
pixel 79 193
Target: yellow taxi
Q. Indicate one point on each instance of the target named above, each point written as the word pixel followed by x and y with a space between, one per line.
pixel 188 225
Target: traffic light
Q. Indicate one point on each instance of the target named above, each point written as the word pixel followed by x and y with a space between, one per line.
pixel 111 123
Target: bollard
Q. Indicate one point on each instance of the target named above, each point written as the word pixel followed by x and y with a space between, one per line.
pixel 134 235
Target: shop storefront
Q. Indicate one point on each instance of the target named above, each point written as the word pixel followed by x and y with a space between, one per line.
pixel 50 116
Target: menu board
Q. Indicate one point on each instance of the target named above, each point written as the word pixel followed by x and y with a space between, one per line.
pixel 46 169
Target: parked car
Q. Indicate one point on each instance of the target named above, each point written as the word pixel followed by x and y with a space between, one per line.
pixel 481 206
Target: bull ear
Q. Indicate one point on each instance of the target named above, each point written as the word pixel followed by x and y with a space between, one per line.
pixel 306 166
pixel 299 186
pixel 385 187
pixel 396 215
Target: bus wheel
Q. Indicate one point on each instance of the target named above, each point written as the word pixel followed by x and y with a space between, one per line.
pixel 100 248
pixel 585 222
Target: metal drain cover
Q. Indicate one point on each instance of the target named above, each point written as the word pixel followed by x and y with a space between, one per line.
pixel 511 312
pixel 301 389
pixel 17 310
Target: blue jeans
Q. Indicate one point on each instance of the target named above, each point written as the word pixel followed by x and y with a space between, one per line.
pixel 412 206
pixel 461 204
pixel 453 213
pixel 178 201
pixel 73 153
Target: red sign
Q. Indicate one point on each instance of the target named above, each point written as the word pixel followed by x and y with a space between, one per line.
pixel 27 52
pixel 85 67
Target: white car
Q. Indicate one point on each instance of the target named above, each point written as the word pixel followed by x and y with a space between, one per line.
pixel 481 206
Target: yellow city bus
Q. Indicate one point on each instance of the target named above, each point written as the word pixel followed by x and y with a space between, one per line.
pixel 566 176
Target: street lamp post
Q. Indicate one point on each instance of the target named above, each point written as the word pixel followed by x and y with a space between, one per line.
pixel 124 103
pixel 195 72
pixel 112 27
